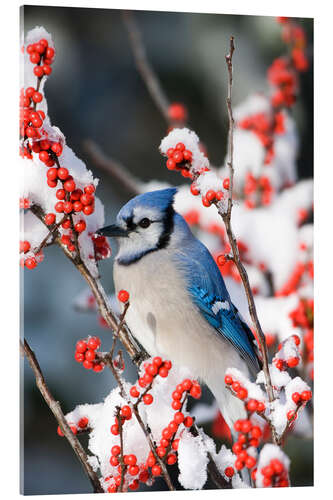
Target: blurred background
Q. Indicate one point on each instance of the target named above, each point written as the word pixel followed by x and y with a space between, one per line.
pixel 95 92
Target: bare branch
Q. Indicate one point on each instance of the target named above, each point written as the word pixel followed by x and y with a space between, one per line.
pixel 113 167
pixel 232 240
pixel 57 412
pixel 143 66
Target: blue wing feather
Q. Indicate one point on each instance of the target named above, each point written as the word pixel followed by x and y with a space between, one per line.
pixel 206 287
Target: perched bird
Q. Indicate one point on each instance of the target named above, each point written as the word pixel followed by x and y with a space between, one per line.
pixel 180 308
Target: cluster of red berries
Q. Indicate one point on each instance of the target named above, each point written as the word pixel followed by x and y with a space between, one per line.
pixel 85 353
pixel 264 127
pixel 293 281
pixel 274 474
pixel 211 196
pixel 309 344
pixel 157 367
pixel 294 35
pixel 257 191
pixel 81 425
pixel 248 436
pixel 42 56
pixel 101 247
pixel 179 158
pixel 31 120
pixel 292 361
pixel 29 261
pixel 300 399
pixel 241 392
pixel 302 316
pixel 177 113
pixel 24 203
pixel 283 77
pixel 168 445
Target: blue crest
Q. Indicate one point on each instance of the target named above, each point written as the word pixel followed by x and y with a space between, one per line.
pixel 161 199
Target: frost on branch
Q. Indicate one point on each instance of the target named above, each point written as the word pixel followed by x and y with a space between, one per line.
pixel 53 178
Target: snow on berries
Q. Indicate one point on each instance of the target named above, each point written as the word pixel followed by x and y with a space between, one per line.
pixel 53 177
pixel 165 385
pixel 273 468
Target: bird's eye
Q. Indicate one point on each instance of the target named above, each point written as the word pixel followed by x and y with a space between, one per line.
pixel 144 223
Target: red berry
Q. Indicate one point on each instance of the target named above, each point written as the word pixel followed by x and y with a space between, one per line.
pixel 171 164
pixel 66 224
pixel 205 202
pixel 187 384
pixel 256 432
pixel 87 364
pixel 157 361
pixel 123 296
pixel 178 156
pixel 147 399
pixel 126 412
pixel 30 262
pixel 94 343
pixel 87 199
pixel 171 459
pixel 134 392
pixel 133 470
pixel 37 97
pixel 261 407
pixel 195 391
pixel 29 92
pixel 177 112
pixel 49 219
pixel 60 194
pixel 226 183
pixel 175 444
pixel 77 206
pixel 239 464
pixel 114 461
pixel 210 195
pixel 296 397
pixel 38 71
pixel 98 367
pixel 52 174
pixel 90 355
pixel 34 57
pixel 115 450
pixel 188 421
pixel 229 471
pixel 69 185
pixel 79 357
pixel 56 148
pixel 187 155
pixel 63 173
pixel 49 52
pixel 114 429
pixel 43 156
pixel 90 189
pixel 292 362
pixel 80 226
pixel 88 209
pixel 47 70
pixel 252 405
pixel 246 426
pixel 306 395
pixel 59 431
pixel 83 422
pixel 178 418
pixel 242 393
pixel 52 184
pixel 156 470
pixel 161 451
pixel 24 246
pixel 194 190
pixel 176 404
pixel 291 415
pixel 163 372
pixel 250 462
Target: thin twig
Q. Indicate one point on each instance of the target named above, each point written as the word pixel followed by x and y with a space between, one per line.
pixel 232 240
pixel 113 167
pixel 143 66
pixel 57 412
pixel 53 229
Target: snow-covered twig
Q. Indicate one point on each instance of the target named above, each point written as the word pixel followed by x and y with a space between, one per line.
pixel 232 240
pixel 57 412
pixel 144 67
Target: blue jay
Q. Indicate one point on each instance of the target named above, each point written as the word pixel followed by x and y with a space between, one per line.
pixel 180 308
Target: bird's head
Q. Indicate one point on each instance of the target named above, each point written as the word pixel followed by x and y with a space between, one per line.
pixel 143 225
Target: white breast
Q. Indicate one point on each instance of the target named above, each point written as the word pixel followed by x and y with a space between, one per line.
pixel 164 319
